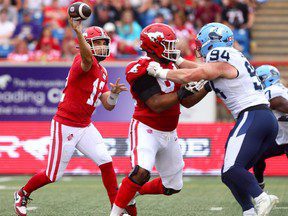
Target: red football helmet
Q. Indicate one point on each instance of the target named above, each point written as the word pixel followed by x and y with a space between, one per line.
pixel 161 40
pixel 96 33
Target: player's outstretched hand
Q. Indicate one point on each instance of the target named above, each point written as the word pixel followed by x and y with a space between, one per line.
pixel 76 25
pixel 154 69
pixel 195 86
pixel 117 88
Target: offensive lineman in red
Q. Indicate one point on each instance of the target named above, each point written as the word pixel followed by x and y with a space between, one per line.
pixel 71 127
pixel 152 133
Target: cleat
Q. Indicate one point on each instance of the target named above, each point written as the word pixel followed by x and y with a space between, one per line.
pixel 20 202
pixel 131 209
pixel 265 204
pixel 250 212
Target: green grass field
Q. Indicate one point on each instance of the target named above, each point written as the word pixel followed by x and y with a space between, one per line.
pixel 85 195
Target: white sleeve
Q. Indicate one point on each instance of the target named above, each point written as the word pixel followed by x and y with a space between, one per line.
pixel 274 91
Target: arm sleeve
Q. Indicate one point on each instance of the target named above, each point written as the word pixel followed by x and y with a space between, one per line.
pixel 273 92
pixel 145 87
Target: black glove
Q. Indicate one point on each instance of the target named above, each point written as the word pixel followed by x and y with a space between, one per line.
pixel 183 93
pixel 190 89
pixel 283 118
pixel 207 87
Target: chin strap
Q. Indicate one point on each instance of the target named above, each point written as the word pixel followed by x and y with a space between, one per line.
pixel 99 59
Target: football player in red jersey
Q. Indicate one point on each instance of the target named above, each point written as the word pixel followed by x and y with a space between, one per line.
pixel 71 126
pixel 152 135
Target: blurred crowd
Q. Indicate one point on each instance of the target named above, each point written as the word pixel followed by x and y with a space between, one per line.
pixel 37 30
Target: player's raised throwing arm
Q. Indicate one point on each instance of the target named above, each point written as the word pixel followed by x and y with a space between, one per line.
pixel 85 49
pixel 207 71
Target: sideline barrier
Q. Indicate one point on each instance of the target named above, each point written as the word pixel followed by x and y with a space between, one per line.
pixel 24 149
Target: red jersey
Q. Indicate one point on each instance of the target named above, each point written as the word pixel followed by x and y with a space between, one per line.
pixel 81 94
pixel 164 121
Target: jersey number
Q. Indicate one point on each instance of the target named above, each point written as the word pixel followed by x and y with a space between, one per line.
pixel 252 72
pixel 97 87
pixel 269 94
pixel 217 91
pixel 215 54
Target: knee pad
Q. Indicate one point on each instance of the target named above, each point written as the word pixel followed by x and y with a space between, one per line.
pixel 170 191
pixel 139 175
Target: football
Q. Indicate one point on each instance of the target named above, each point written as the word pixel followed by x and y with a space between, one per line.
pixel 79 11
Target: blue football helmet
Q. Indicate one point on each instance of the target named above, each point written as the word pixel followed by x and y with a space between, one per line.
pixel 268 75
pixel 213 35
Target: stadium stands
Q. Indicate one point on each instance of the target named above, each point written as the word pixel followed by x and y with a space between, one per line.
pixel 25 21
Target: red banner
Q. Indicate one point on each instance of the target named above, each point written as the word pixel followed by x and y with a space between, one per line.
pixel 24 149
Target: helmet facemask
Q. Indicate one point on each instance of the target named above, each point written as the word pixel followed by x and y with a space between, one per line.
pixel 170 52
pixel 101 51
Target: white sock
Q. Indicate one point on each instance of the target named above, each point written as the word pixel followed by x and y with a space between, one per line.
pixel 250 211
pixel 260 197
pixel 116 211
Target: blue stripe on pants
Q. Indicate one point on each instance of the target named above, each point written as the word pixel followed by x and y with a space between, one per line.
pixel 253 133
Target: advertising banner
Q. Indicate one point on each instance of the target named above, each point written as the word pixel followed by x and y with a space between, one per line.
pixel 33 93
pixel 24 149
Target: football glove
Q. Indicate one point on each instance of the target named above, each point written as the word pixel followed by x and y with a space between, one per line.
pixel 190 89
pixel 207 87
pixel 283 118
pixel 195 86
pixel 154 69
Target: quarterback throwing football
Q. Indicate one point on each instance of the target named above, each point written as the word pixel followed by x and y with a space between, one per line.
pixel 71 127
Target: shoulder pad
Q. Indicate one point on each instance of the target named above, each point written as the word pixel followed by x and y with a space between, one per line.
pixel 136 69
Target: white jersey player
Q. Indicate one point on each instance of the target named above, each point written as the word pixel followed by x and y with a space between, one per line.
pixel 280 93
pixel 234 80
pixel 277 95
pixel 244 90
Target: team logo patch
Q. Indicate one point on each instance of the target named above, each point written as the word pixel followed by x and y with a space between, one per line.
pixel 149 131
pixel 70 137
pixel 230 39
pixel 214 36
pixel 72 9
pixel 215 33
pixel 155 36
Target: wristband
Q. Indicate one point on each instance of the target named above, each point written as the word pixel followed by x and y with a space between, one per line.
pixel 163 73
pixel 207 87
pixel 179 61
pixel 112 99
